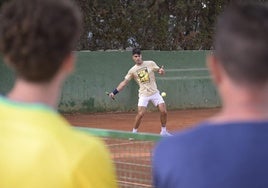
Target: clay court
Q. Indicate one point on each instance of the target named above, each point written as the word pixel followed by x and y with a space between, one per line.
pixel 132 158
pixel 177 120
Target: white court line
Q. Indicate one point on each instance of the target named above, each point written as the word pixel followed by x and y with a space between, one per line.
pixel 185 69
pixel 132 183
pixel 128 143
pixel 129 154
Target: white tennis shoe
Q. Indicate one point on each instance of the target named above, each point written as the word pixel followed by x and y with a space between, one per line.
pixel 165 133
pixel 133 132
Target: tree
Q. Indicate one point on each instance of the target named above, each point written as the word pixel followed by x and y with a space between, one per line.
pixel 150 24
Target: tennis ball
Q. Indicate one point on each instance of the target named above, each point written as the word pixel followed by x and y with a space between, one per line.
pixel 163 94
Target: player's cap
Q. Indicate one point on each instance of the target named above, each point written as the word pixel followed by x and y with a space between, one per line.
pixel 136 51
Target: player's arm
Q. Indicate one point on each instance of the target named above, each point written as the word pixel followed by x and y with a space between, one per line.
pixel 158 69
pixel 120 87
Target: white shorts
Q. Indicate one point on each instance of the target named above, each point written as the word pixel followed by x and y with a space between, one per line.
pixel 156 99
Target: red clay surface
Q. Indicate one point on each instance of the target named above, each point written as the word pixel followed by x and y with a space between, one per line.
pixel 132 159
pixel 177 120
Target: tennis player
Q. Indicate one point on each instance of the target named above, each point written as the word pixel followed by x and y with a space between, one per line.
pixel 38 148
pixel 143 73
pixel 229 149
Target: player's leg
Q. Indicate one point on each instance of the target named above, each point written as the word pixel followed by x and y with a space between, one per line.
pixel 138 118
pixel 142 105
pixel 159 102
pixel 163 114
pixel 163 119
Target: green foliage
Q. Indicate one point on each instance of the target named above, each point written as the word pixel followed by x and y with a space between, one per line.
pixel 149 24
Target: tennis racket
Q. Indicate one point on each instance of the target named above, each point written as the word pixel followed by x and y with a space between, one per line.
pixel 107 93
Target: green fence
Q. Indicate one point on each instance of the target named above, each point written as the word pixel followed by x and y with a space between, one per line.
pixel 186 82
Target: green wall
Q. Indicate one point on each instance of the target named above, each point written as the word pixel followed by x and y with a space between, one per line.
pixel 186 82
pixel 6 78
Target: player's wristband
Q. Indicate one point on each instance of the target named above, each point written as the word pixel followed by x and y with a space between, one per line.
pixel 115 91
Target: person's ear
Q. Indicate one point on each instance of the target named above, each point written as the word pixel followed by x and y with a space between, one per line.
pixel 215 69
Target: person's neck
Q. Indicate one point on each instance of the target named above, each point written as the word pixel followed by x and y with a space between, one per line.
pixel 140 63
pixel 241 105
pixel 27 92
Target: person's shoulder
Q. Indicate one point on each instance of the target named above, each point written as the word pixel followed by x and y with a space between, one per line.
pixel 181 142
pixel 90 152
pixel 30 113
pixel 207 132
pixel 132 69
pixel 86 152
pixel 68 135
pixel 149 62
pixel 89 149
pixel 88 140
pixel 188 136
pixel 91 142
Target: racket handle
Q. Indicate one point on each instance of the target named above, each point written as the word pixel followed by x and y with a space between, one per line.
pixel 108 94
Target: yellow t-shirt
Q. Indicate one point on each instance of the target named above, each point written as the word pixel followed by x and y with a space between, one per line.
pixel 144 75
pixel 39 149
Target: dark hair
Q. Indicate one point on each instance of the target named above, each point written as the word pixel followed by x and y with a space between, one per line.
pixel 136 51
pixel 241 43
pixel 36 36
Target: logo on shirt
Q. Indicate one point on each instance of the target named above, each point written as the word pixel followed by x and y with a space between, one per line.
pixel 143 75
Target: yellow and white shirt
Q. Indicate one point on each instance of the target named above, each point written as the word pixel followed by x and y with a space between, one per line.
pixel 144 75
